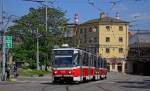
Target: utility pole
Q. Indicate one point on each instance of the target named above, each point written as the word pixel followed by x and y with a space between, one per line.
pixel 46 9
pixel 37 52
pixel 46 4
pixel 3 78
pixel 46 19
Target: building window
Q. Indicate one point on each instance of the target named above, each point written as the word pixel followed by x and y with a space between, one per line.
pixel 90 40
pixel 113 65
pixel 108 28
pixel 107 39
pixel 107 50
pixel 120 50
pixel 90 29
pixel 85 35
pixel 120 39
pixel 95 39
pixel 85 41
pixel 94 29
pixel 81 41
pixel 81 30
pixel 120 28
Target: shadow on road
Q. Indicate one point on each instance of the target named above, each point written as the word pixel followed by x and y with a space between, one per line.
pixel 67 83
pixel 145 84
pixel 49 83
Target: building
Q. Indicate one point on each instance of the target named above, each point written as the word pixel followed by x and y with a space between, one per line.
pixel 138 60
pixel 107 37
pixel 69 34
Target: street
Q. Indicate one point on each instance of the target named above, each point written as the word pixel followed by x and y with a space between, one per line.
pixel 114 82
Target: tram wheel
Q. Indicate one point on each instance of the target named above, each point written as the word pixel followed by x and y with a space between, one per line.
pixel 84 79
pixel 93 79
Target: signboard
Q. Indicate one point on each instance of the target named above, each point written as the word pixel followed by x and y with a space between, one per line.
pixel 8 41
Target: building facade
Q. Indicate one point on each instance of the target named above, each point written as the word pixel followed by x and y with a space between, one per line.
pixel 138 59
pixel 107 37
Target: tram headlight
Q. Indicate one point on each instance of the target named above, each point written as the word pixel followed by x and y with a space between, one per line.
pixel 55 72
pixel 70 72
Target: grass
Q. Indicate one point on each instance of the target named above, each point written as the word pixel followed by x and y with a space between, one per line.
pixel 31 72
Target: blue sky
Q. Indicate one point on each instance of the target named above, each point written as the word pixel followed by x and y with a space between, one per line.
pixel 128 9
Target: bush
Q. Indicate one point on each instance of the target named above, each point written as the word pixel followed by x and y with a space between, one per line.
pixel 31 72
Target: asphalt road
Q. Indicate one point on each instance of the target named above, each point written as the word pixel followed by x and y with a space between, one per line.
pixel 114 82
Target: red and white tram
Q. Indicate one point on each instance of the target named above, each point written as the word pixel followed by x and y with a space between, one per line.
pixel 70 64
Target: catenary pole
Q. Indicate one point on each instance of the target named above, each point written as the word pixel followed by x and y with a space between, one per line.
pixel 37 53
pixel 46 19
pixel 3 78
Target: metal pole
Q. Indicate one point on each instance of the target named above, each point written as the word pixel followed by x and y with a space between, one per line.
pixel 4 56
pixel 46 3
pixel 37 53
pixel 4 60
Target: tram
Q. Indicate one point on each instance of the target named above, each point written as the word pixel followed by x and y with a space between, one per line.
pixel 75 65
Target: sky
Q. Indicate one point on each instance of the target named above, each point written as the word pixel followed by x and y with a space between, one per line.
pixel 134 11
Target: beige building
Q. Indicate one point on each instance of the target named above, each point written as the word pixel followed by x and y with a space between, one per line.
pixel 107 37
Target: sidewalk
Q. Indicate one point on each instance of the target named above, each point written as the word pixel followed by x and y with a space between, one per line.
pixel 45 78
pixel 117 75
pixel 36 76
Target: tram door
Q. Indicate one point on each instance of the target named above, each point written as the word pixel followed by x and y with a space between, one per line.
pixel 80 64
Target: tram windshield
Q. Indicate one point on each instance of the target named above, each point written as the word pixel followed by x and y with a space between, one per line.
pixel 63 61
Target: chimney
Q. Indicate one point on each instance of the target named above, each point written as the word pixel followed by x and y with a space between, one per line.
pixel 117 15
pixel 102 15
pixel 76 18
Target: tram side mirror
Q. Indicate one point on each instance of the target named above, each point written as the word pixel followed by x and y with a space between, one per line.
pixel 74 64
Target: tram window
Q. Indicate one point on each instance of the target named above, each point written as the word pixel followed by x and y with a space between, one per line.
pixel 92 61
pixel 76 60
pixel 99 62
pixel 105 63
pixel 85 59
pixel 95 62
pixel 63 61
pixel 102 63
pixel 89 60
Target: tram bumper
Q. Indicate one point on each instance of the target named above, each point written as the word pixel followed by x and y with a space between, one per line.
pixel 63 78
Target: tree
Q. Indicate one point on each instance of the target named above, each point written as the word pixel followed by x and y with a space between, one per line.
pixel 24 32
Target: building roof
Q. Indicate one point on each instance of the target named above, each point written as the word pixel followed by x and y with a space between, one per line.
pixel 91 21
pixel 140 39
pixel 105 20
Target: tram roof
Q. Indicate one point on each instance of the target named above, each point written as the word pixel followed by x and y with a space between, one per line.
pixel 66 49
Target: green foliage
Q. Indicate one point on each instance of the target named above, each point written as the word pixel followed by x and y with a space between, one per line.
pixel 31 72
pixel 24 33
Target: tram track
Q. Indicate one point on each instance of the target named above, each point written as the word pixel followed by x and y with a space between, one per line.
pixel 56 86
pixel 104 89
pixel 71 86
pixel 67 88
